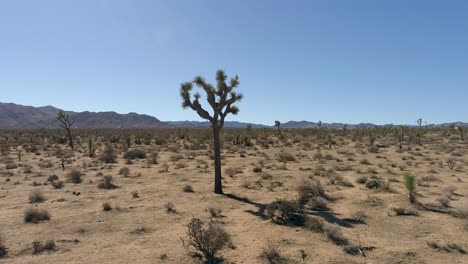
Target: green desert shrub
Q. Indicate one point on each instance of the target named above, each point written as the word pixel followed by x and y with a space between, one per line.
pixel 285 212
pixel 135 154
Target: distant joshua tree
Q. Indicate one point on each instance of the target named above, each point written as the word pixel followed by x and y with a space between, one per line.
pixel 419 121
pixel 462 132
pixel 66 124
pixel 222 101
pixel 400 134
pixel 277 125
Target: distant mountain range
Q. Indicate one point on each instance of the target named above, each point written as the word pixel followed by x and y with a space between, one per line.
pixel 13 116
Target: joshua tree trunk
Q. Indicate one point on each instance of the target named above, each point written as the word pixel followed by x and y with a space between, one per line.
pixel 70 139
pixel 218 189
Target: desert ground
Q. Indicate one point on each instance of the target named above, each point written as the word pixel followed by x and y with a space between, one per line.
pixel 363 214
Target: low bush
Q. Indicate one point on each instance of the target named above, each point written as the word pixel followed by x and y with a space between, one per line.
pixel 57 184
pixel 108 155
pixel 36 196
pixel 271 254
pixel 35 215
pixel 444 200
pixel 362 179
pixel 135 154
pixel 334 233
pixel 107 183
pixel 462 211
pixel 365 162
pixel 188 188
pixel 284 212
pixel 125 171
pixel 74 176
pixel 3 248
pixel 374 184
pixel 285 157
pixel 11 166
pixel 215 212
pixel 106 207
pixel 314 224
pixel 38 247
pixel 170 208
pixel 450 247
pixel 206 239
pixel 317 203
pixel 307 189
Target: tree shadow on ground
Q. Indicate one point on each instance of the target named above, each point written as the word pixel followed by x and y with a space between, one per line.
pixel 332 218
pixel 260 207
pixel 328 216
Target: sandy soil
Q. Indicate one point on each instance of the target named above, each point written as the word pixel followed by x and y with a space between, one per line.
pixel 84 233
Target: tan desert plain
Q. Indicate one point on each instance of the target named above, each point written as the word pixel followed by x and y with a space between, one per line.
pixel 272 195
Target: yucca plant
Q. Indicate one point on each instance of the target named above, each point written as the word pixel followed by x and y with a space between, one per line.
pixel 410 184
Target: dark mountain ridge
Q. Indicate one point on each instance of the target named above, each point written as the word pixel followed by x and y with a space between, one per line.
pixel 14 116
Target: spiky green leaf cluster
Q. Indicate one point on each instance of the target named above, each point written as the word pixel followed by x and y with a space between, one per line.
pixel 221 99
pixel 410 182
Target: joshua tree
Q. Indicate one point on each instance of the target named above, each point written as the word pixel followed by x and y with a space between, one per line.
pixel 319 124
pixel 419 121
pixel 400 134
pixel 19 153
pixel 277 125
pixel 66 124
pixel 410 184
pixel 91 148
pixel 460 130
pixel 221 101
pixel 371 138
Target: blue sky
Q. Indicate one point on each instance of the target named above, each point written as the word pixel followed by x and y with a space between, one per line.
pixel 330 60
